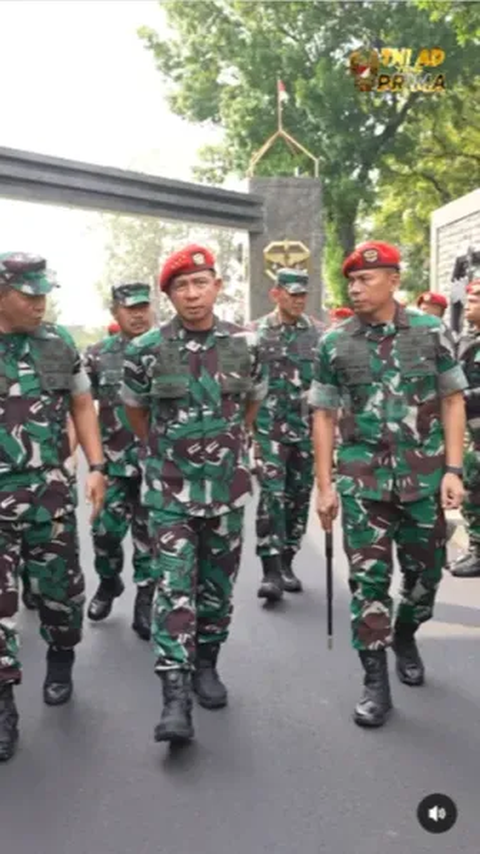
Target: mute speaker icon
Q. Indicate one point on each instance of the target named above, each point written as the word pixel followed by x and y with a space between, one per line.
pixel 437 813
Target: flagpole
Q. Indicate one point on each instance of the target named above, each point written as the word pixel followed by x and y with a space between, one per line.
pixel 279 106
pixel 282 95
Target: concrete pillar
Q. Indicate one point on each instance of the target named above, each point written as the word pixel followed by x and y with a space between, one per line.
pixel 293 224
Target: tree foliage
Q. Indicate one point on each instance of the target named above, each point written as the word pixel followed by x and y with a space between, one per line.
pixel 441 163
pixel 463 16
pixel 228 78
pixel 137 246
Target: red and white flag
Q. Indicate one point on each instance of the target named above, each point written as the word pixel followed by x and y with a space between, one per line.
pixel 282 92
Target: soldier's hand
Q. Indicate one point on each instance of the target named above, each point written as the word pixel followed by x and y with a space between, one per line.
pixel 327 507
pixel 95 492
pixel 452 491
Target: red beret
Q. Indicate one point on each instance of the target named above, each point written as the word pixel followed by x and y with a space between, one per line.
pixel 370 255
pixel 191 259
pixel 113 328
pixel 473 286
pixel 433 298
pixel 341 313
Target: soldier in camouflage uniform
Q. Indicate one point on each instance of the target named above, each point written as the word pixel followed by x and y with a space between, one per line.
pixel 41 381
pixel 338 315
pixel 393 374
pixel 283 443
pixel 29 598
pixel 432 303
pixel 192 389
pixel 468 566
pixel 122 509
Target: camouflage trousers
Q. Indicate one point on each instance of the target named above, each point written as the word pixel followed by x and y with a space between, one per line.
pixel 50 549
pixel 196 562
pixel 285 474
pixel 122 509
pixel 370 529
pixel 471 505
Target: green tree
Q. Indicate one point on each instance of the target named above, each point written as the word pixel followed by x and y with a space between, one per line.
pixel 136 247
pixel 441 163
pixel 463 16
pixel 228 77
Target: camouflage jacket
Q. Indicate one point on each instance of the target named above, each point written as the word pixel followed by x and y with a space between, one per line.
pixel 104 365
pixel 196 391
pixel 469 358
pixel 39 373
pixel 388 379
pixel 289 351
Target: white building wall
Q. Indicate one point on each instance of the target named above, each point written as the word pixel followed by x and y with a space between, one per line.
pixel 453 228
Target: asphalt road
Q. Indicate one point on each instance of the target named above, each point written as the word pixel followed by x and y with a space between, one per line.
pixel 283 769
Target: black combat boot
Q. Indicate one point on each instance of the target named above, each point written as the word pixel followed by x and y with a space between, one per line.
pixel 467 566
pixel 409 667
pixel 58 685
pixel 271 587
pixel 210 690
pixel 176 721
pixel 376 702
pixel 29 599
pixel 142 611
pixel 8 723
pixel 107 591
pixel 291 583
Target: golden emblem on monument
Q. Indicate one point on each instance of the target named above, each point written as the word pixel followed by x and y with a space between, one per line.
pixel 285 253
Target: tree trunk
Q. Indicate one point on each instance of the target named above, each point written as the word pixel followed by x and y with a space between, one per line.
pixel 345 229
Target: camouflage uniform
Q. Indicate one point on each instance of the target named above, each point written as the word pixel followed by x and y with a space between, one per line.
pixel 283 444
pixel 389 379
pixel 29 598
pixel 39 373
pixel 469 358
pixel 195 386
pixel 122 508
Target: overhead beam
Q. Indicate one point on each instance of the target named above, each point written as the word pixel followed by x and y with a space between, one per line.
pixel 34 177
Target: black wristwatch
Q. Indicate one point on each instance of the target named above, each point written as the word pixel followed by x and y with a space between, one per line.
pixel 100 467
pixel 454 470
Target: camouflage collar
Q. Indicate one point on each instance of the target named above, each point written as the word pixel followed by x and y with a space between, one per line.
pixel 176 329
pixel 274 320
pixel 355 326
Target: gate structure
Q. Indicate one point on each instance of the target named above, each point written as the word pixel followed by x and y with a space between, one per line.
pixel 270 212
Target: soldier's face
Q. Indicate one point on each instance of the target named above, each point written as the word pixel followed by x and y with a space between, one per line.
pixel 371 290
pixel 290 305
pixel 135 319
pixel 194 295
pixel 21 312
pixel 472 309
pixel 435 310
